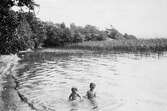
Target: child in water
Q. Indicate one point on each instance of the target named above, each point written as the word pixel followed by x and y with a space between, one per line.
pixel 74 95
pixel 91 93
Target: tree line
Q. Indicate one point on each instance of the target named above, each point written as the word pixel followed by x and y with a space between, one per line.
pixel 20 30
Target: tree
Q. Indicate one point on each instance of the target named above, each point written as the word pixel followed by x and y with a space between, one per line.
pixel 127 36
pixel 24 34
pixel 114 34
pixel 77 33
pixel 8 24
pixel 38 29
pixel 6 5
pixel 57 34
pixel 10 21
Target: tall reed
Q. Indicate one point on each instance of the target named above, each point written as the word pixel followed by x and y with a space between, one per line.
pixel 153 45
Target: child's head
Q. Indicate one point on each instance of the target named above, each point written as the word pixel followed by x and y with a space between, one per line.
pixel 74 89
pixel 92 85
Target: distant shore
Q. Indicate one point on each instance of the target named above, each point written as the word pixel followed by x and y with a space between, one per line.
pixel 125 46
pixel 138 45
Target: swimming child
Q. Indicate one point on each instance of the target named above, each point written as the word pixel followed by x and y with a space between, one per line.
pixel 91 93
pixel 91 96
pixel 74 95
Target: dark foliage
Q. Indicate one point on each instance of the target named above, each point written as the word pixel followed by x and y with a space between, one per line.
pixel 57 34
pixel 15 32
pixel 8 38
pixel 5 5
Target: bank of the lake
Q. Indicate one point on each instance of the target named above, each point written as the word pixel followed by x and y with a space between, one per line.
pixel 10 97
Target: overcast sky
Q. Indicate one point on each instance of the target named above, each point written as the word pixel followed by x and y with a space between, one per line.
pixel 143 18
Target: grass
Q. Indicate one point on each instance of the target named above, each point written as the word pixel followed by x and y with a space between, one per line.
pixel 139 45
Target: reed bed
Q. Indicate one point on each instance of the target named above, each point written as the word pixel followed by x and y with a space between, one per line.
pixel 139 45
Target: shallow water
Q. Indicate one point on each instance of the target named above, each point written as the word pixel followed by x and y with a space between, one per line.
pixel 124 82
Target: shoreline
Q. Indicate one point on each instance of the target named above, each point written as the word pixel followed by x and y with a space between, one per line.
pixel 120 46
pixel 10 97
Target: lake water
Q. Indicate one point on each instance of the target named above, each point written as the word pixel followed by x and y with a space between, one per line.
pixel 124 82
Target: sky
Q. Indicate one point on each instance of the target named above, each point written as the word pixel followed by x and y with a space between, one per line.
pixel 142 18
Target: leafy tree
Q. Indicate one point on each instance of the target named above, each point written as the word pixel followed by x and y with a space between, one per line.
pixel 10 21
pixel 127 36
pixel 114 34
pixel 38 29
pixel 8 24
pixel 57 35
pixel 6 5
pixel 76 33
pixel 24 34
pixel 94 34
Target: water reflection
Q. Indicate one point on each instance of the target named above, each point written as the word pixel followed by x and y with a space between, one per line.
pixel 122 80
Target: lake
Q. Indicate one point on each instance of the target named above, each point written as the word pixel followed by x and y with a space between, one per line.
pixel 124 82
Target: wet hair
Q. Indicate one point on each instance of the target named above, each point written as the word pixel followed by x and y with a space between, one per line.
pixel 92 84
pixel 73 89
